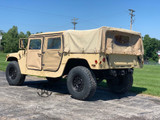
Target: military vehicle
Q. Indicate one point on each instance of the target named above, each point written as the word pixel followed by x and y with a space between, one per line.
pixel 85 57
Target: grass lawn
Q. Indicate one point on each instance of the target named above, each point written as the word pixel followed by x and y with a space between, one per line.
pixel 146 80
pixel 3 64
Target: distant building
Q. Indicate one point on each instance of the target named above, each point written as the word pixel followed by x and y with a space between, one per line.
pixel 158 56
pixel 0 37
pixel 0 42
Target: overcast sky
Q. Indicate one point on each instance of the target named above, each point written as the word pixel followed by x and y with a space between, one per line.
pixel 56 15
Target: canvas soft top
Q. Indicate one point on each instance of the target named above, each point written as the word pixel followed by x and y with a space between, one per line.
pixel 102 40
pixel 99 40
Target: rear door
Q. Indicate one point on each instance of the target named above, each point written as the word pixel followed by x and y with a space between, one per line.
pixel 34 53
pixel 123 49
pixel 52 53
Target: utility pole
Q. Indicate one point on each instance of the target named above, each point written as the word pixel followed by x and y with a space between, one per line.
pixel 132 15
pixel 74 22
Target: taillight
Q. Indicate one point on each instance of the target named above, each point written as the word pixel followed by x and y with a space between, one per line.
pixel 96 61
pixel 103 59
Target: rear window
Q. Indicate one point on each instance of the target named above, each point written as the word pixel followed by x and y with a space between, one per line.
pixel 121 40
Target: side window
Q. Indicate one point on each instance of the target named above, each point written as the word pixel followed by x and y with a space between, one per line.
pixel 35 44
pixel 54 43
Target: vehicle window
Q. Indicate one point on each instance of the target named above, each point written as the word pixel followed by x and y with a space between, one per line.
pixel 121 40
pixel 54 43
pixel 35 44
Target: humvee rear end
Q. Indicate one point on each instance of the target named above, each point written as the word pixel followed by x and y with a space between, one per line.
pixel 85 57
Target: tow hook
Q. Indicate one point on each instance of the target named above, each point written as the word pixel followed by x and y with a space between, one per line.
pixel 113 73
pixel 130 71
pixel 122 72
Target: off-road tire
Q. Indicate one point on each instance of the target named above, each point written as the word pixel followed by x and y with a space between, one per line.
pixel 53 80
pixel 13 74
pixel 121 84
pixel 85 86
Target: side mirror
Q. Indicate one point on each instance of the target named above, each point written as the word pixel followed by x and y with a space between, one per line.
pixel 23 43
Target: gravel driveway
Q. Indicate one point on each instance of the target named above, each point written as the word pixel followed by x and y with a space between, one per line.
pixel 23 103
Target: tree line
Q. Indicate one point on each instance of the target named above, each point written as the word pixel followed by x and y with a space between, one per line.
pixel 10 39
pixel 10 43
pixel 151 47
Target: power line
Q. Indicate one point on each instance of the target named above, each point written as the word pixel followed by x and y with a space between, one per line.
pixel 74 22
pixel 132 15
pixel 34 11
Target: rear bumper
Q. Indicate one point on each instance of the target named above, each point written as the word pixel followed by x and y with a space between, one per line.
pixel 125 61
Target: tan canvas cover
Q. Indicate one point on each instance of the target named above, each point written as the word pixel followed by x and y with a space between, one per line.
pixel 87 41
pixel 102 40
pixel 135 46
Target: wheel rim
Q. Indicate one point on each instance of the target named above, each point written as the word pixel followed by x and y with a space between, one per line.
pixel 78 83
pixel 12 73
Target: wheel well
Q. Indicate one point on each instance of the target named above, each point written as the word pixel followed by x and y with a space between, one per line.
pixel 12 59
pixel 73 63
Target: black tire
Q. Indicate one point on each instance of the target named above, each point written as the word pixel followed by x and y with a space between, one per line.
pixel 121 84
pixel 81 83
pixel 13 74
pixel 53 80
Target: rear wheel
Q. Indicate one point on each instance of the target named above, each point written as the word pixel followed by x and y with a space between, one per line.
pixel 121 84
pixel 81 83
pixel 13 74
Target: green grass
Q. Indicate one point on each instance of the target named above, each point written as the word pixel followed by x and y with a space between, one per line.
pixel 146 80
pixel 3 63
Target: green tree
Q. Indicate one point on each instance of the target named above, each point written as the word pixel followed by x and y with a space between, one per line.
pixel 21 35
pixel 10 40
pixel 28 34
pixel 151 46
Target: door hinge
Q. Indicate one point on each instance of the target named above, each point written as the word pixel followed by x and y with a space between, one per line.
pixel 59 53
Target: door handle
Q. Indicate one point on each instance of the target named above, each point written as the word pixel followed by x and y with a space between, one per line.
pixel 39 54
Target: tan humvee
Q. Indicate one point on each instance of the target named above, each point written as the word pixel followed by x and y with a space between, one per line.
pixel 84 56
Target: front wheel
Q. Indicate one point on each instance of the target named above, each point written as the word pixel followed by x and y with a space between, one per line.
pixel 121 84
pixel 81 83
pixel 13 74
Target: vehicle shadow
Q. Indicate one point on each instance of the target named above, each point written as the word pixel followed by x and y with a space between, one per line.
pixel 59 87
pixel 105 94
pixel 101 93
